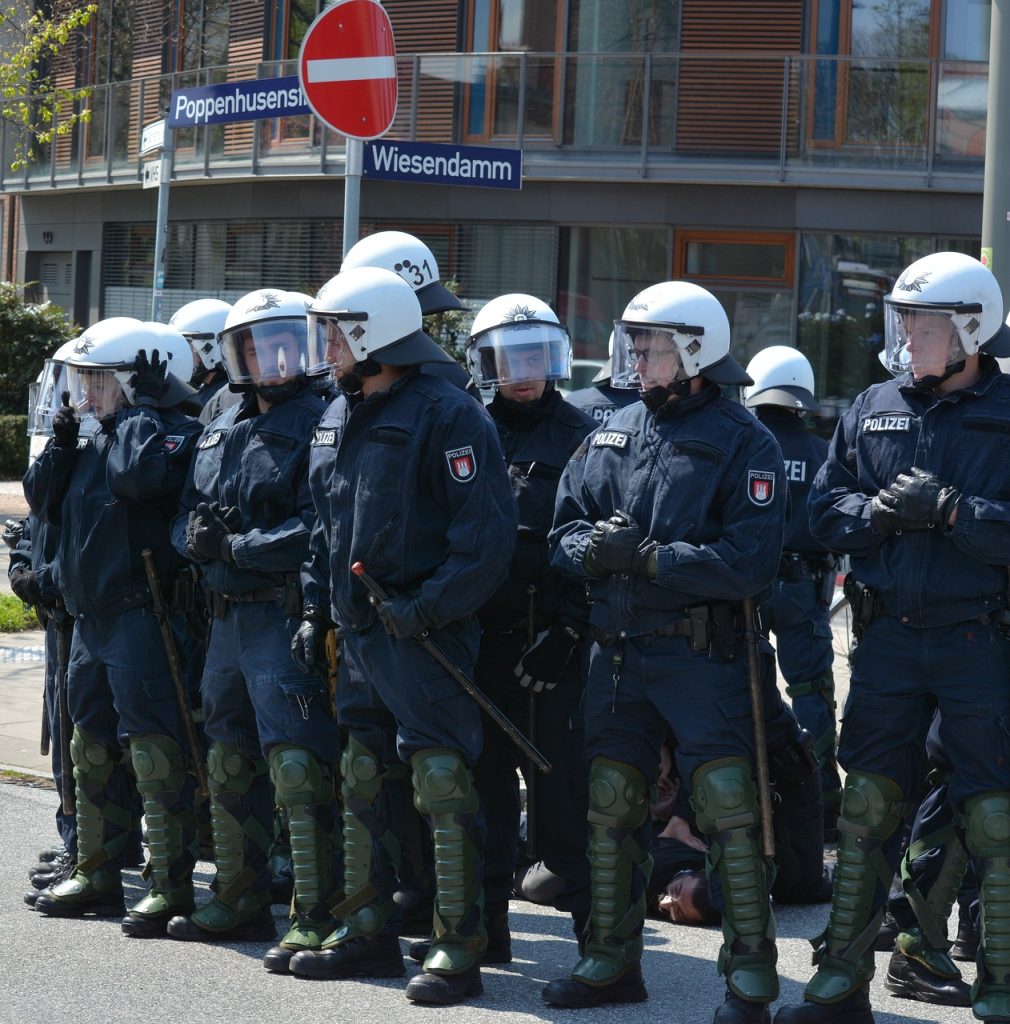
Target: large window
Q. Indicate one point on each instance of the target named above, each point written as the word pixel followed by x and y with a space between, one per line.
pixel 110 60
pixel 894 56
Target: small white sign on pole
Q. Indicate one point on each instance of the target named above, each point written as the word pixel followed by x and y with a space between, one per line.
pixel 152 174
pixel 152 137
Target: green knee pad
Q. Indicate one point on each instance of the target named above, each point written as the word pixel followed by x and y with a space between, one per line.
pixel 444 793
pixel 725 800
pixel 304 787
pixel 873 807
pixel 619 871
pixel 241 842
pixel 161 770
pixel 368 887
pixel 94 764
pixel 988 836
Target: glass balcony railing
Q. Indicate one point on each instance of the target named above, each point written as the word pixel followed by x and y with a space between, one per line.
pixel 662 116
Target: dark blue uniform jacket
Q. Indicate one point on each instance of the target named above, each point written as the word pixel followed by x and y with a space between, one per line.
pixel 923 577
pixel 703 478
pixel 412 483
pixel 259 464
pixel 601 401
pixel 112 497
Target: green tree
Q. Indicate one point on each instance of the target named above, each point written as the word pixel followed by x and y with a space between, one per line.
pixel 29 333
pixel 29 102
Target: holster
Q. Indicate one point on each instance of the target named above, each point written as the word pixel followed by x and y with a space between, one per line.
pixel 863 602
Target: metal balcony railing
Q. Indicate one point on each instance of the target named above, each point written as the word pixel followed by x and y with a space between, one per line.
pixel 711 117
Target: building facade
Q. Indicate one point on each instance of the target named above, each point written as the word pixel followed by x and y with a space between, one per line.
pixel 792 156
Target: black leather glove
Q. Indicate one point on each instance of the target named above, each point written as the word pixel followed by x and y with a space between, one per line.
pixel 25 584
pixel 13 532
pixel 402 615
pixel 922 497
pixel 150 378
pixel 616 546
pixel 308 645
pixel 543 664
pixel 884 517
pixel 230 515
pixel 66 424
pixel 208 536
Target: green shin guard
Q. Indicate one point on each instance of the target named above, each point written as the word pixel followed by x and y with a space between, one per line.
pixel 303 787
pixel 928 943
pixel 368 886
pixel 619 872
pixel 826 744
pixel 241 839
pixel 161 770
pixel 102 831
pixel 988 834
pixel 725 800
pixel 444 793
pixel 872 808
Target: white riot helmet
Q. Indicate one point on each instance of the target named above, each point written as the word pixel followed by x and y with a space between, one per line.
pixel 376 315
pixel 102 362
pixel 942 309
pixel 517 337
pixel 200 322
pixel 264 342
pixel 409 257
pixel 782 376
pixel 670 333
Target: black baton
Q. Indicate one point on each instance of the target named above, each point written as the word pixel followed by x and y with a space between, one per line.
pixel 377 594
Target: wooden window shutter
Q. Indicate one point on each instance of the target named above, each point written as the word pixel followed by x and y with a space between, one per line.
pixel 430 27
pixel 735 105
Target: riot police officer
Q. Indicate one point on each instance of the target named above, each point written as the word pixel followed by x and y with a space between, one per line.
pixel 532 653
pixel 672 513
pixel 797 611
pixel 200 322
pixel 245 519
pixel 407 477
pixel 109 496
pixel 913 490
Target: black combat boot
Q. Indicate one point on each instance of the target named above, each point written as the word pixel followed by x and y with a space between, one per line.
pixel 909 978
pixel 853 1009
pixel 375 956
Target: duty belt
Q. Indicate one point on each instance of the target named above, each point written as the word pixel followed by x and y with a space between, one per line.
pixel 716 627
pixel 794 566
pixel 286 596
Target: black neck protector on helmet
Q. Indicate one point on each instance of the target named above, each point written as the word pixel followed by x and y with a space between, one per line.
pixel 655 398
pixel 933 382
pixel 277 394
pixel 350 383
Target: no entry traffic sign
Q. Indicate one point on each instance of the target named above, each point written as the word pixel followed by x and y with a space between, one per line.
pixel 347 68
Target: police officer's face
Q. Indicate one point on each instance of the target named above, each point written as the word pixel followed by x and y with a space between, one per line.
pixel 930 340
pixel 523 372
pixel 338 352
pixel 272 358
pixel 101 394
pixel 656 359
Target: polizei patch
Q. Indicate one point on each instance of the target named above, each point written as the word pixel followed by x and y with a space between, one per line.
pixel 462 463
pixel 324 436
pixel 887 422
pixel 610 439
pixel 211 439
pixel 760 486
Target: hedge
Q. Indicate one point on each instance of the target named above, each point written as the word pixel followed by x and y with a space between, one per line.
pixel 13 446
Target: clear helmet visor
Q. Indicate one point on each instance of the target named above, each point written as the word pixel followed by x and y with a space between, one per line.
pixel 329 349
pixel 267 351
pixel 927 341
pixel 520 351
pixel 647 356
pixel 94 392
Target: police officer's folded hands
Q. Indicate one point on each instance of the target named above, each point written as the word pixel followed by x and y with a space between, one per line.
pixel 308 645
pixel 150 378
pixel 402 615
pixel 616 545
pixel 543 663
pixel 66 424
pixel 208 536
pixel 917 500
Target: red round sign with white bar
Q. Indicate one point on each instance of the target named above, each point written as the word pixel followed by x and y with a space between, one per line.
pixel 347 68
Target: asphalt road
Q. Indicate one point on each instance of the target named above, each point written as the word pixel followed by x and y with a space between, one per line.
pixel 88 972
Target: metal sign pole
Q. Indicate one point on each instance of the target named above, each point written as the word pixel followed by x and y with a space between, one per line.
pixel 161 229
pixel 354 153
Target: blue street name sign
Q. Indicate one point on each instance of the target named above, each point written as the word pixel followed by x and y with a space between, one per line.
pixel 438 164
pixel 237 101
